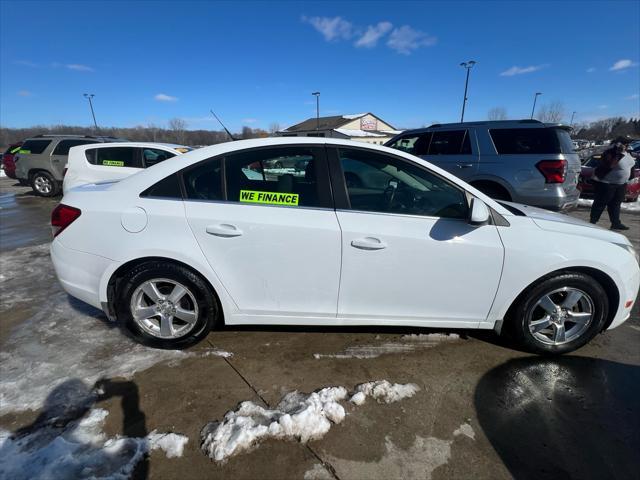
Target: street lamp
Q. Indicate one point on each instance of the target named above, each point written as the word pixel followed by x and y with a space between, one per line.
pixel 535 98
pixel 468 65
pixel 317 95
pixel 89 96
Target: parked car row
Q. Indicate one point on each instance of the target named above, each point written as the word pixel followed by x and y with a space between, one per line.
pixel 586 186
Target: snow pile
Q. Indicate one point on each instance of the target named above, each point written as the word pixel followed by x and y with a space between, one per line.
pixel 408 344
pixel 466 430
pixel 383 392
pixel 353 116
pixel 78 450
pixel 298 416
pixel 60 339
pixel 217 353
pixel 358 133
pixel 625 206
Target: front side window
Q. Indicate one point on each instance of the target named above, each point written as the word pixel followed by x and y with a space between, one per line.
pixel 450 142
pixel 380 183
pixel 151 156
pixel 525 141
pixel 114 157
pixel 413 144
pixel 64 145
pixel 34 147
pixel 273 176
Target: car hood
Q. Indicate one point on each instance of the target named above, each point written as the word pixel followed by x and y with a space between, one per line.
pixel 558 222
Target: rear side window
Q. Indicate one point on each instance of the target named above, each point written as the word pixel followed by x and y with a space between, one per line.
pixel 413 144
pixel 64 145
pixel 166 188
pixel 273 176
pixel 510 141
pixel 151 156
pixel 566 144
pixel 34 147
pixel 204 181
pixel 450 142
pixel 115 157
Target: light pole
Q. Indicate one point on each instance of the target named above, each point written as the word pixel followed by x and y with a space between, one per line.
pixel 572 117
pixel 317 95
pixel 535 98
pixel 468 65
pixel 89 96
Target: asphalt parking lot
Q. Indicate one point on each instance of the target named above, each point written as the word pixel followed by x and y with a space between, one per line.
pixel 483 409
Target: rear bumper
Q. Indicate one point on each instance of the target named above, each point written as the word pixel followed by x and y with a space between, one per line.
pixel 552 198
pixel 79 273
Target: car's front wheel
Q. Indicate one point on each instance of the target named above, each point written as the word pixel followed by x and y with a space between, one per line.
pixel 165 305
pixel 560 314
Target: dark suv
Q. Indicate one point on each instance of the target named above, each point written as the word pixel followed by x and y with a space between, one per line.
pixel 41 160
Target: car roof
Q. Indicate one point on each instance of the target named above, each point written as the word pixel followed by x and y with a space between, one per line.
pixel 149 176
pixel 526 123
pixel 171 146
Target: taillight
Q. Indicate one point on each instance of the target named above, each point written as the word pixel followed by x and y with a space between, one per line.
pixel 63 216
pixel 554 171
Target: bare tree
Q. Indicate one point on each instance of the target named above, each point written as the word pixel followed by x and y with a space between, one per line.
pixel 178 127
pixel 552 112
pixel 274 128
pixel 497 113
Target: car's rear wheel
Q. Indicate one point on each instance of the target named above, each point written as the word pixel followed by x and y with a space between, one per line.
pixel 165 305
pixel 559 314
pixel 44 184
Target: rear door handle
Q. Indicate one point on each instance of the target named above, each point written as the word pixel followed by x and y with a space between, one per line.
pixel 464 165
pixel 368 243
pixel 224 230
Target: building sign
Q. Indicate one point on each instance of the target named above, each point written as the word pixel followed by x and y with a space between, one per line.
pixel 368 123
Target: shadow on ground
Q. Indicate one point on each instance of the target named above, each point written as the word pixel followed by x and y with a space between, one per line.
pixel 565 417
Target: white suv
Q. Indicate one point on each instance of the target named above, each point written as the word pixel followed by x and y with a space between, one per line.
pixel 114 161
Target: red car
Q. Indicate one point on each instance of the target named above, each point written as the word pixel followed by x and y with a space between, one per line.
pixel 7 160
pixel 585 183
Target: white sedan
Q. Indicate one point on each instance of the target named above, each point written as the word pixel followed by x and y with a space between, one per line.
pixel 99 162
pixel 315 231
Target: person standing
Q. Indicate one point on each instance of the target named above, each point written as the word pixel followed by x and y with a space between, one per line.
pixel 610 183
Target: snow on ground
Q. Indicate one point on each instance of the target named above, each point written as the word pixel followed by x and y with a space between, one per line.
pixel 61 339
pixel 408 344
pixel 79 450
pixel 625 206
pixel 466 430
pixel 383 391
pixel 298 416
pixel 318 472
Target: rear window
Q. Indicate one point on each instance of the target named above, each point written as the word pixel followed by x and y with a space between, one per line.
pixel 526 140
pixel 34 146
pixel 64 145
pixel 115 157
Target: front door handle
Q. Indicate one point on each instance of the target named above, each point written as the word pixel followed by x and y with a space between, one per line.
pixel 464 165
pixel 224 230
pixel 368 243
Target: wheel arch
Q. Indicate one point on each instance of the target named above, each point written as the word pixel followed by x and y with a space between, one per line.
pixel 492 182
pixel 607 283
pixel 118 274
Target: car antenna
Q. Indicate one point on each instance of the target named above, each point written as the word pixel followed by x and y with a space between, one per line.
pixel 225 128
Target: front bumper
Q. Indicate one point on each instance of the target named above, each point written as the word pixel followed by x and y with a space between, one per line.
pixel 628 291
pixel 79 273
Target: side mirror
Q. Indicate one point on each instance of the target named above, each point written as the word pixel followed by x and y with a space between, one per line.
pixel 479 212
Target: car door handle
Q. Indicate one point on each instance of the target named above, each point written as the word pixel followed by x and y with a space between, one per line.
pixel 464 165
pixel 224 230
pixel 368 243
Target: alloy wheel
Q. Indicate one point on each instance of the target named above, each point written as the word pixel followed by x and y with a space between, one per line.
pixel 43 184
pixel 164 308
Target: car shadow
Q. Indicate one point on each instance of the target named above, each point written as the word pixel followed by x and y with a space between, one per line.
pixel 564 417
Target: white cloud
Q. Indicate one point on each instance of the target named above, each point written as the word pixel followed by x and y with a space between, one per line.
pixel 603 107
pixel 622 64
pixel 26 63
pixel 374 32
pixel 161 97
pixel 515 70
pixel 249 120
pixel 635 96
pixel 591 69
pixel 405 39
pixel 25 93
pixel 331 28
pixel 79 68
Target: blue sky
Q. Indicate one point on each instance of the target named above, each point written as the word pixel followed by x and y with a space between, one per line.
pixel 258 62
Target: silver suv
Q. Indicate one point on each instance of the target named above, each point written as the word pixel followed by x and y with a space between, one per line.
pixel 523 161
pixel 41 160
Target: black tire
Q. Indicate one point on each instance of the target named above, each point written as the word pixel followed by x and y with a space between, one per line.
pixel 207 303
pixel 525 308
pixel 494 191
pixel 43 184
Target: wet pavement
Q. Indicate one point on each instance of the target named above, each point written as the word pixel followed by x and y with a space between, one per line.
pixel 484 410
